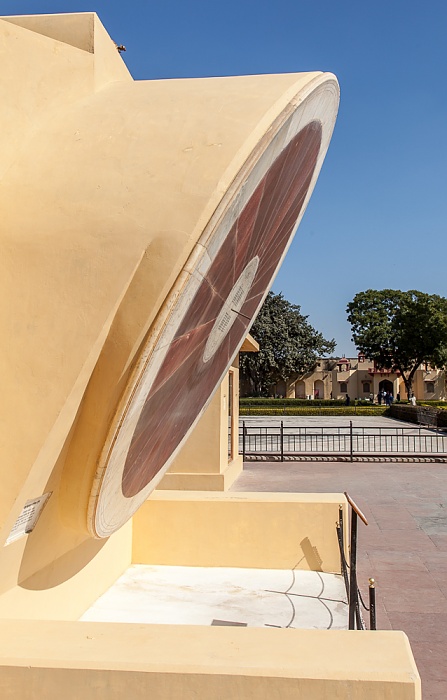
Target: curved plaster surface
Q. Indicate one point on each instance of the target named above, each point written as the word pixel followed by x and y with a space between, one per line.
pixel 116 198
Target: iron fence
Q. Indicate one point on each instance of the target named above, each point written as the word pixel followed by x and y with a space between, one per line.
pixel 281 440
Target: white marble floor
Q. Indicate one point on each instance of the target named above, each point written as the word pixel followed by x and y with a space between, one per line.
pixel 224 596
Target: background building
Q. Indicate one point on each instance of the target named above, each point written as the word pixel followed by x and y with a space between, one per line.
pixel 360 378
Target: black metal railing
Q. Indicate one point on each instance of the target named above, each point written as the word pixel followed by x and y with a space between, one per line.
pixel 281 440
pixel 349 571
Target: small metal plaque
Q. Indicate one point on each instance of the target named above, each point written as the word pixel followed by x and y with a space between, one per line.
pixel 27 520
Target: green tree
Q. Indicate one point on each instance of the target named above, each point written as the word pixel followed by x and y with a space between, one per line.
pixel 288 345
pixel 400 330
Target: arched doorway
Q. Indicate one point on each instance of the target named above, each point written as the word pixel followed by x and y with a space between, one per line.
pixel 280 389
pixel 300 390
pixel 386 385
pixel 319 389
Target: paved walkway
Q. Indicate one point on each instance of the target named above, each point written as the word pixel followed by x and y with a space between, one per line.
pixel 404 546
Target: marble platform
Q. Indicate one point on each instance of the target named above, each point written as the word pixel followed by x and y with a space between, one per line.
pixel 224 596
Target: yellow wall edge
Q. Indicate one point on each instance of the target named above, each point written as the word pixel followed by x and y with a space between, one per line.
pixel 203 482
pixel 98 660
pixel 259 530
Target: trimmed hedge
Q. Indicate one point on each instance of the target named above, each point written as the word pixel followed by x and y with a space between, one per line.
pixel 428 415
pixel 270 401
pixel 428 412
pixel 435 404
pixel 313 411
pixel 279 403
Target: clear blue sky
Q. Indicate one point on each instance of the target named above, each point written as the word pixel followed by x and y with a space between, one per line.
pixel 377 217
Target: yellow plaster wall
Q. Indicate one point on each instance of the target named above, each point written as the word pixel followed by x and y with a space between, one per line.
pixel 202 481
pixel 206 448
pixel 109 66
pixel 94 661
pixel 147 165
pixel 83 31
pixel 27 99
pixel 83 277
pixel 77 30
pixel 235 412
pixel 260 530
pixel 95 268
pixel 64 588
pixel 203 463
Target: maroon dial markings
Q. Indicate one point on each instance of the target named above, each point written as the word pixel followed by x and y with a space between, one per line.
pixel 185 381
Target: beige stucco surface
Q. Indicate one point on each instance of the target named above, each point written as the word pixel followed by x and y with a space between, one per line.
pixel 107 185
pixel 245 529
pixel 94 660
pixel 209 480
pixel 145 165
pixel 37 585
pixel 204 462
pixel 206 451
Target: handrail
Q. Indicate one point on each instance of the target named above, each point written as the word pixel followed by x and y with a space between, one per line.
pixel 355 507
pixel 352 589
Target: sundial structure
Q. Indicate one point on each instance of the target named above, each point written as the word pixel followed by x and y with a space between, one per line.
pixel 156 215
pixel 142 225
pixel 231 268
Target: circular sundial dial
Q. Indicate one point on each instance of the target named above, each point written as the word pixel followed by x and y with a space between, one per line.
pixel 210 310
